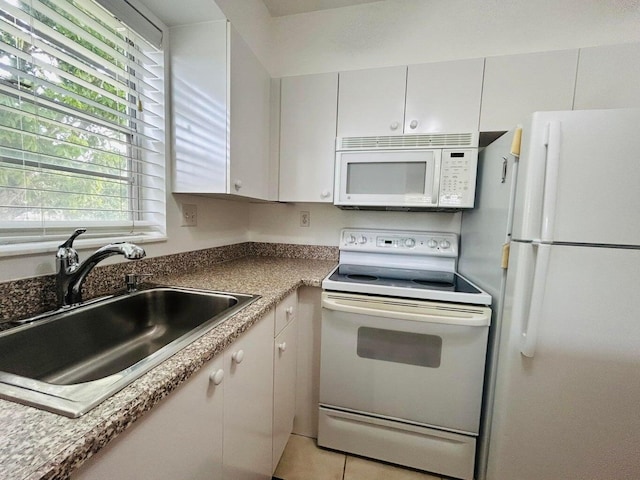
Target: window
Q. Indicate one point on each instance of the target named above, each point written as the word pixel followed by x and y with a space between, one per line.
pixel 81 125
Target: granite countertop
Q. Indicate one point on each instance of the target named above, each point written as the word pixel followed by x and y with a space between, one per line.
pixel 35 444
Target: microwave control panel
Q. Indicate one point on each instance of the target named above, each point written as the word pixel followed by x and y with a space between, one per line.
pixel 458 178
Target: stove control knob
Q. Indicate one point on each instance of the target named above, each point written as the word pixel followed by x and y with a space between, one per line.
pixel 445 244
pixel 351 239
pixel 409 243
pixel 432 243
pixel 362 240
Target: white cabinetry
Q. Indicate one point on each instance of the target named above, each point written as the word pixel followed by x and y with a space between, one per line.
pixel 284 374
pixel 220 110
pixel 371 102
pixel 439 97
pixel 180 438
pixel 248 403
pixel 517 85
pixel 608 77
pixel 444 97
pixel 307 137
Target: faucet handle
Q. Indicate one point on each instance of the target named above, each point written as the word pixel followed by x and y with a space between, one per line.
pixel 69 242
pixel 67 254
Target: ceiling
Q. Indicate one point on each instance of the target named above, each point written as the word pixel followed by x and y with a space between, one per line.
pixel 280 8
pixel 174 13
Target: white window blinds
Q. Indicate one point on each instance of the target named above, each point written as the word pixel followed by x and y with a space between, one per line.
pixel 81 125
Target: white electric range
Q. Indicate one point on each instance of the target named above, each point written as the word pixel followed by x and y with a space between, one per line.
pixel 403 349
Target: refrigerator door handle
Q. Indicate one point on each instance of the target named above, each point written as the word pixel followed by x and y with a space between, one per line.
pixel 531 323
pixel 550 196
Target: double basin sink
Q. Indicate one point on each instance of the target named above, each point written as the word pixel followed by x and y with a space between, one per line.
pixel 71 360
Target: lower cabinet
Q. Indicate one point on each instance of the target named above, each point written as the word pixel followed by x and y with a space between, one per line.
pixel 248 403
pixel 218 424
pixel 284 374
pixel 180 438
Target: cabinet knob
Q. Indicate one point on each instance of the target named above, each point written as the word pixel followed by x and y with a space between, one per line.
pixel 394 126
pixel 237 184
pixel 325 193
pixel 413 124
pixel 238 356
pixel 289 310
pixel 282 346
pixel 216 377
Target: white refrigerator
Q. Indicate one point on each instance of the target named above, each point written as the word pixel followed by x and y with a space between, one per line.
pixel 562 393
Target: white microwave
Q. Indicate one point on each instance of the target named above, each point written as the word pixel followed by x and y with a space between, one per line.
pixel 405 178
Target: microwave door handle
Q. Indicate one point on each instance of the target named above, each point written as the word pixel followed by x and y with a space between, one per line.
pixel 435 196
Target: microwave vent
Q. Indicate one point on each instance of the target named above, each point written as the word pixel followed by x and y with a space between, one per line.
pixel 434 140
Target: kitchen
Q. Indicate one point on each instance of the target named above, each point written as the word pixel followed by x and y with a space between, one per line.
pixel 346 42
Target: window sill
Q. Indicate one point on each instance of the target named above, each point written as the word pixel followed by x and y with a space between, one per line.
pixel 34 248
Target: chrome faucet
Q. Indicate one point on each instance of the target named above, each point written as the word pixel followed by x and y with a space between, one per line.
pixel 71 274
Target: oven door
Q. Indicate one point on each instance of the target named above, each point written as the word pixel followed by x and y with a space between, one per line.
pixel 390 178
pixel 412 360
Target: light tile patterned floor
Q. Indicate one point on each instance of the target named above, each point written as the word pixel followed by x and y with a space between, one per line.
pixel 304 460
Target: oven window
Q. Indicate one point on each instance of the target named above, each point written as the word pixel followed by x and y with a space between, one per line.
pixel 400 347
pixel 386 178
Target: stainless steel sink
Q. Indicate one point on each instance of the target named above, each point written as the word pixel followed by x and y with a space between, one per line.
pixel 70 361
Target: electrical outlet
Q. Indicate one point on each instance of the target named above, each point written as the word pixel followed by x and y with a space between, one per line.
pixel 189 215
pixel 305 219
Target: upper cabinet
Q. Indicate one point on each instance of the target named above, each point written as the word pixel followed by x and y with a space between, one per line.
pixel 371 102
pixel 307 137
pixel 444 97
pixel 429 98
pixel 517 85
pixel 220 106
pixel 609 77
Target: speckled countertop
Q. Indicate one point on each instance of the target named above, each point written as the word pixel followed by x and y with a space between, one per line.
pixel 35 444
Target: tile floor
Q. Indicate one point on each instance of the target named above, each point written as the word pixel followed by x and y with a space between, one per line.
pixel 304 460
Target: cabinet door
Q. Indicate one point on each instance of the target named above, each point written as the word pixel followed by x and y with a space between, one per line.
pixel 248 403
pixel 250 86
pixel 180 438
pixel 444 97
pixel 608 77
pixel 308 112
pixel 199 107
pixel 284 388
pixel 517 85
pixel 371 102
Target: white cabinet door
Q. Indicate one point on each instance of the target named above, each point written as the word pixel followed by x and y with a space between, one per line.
pixel 308 112
pixel 180 438
pixel 608 77
pixel 517 85
pixel 444 97
pixel 248 403
pixel 221 113
pixel 371 102
pixel 250 86
pixel 284 388
pixel 199 107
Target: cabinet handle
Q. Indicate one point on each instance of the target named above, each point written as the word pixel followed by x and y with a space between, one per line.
pixel 289 310
pixel 282 346
pixel 237 184
pixel 394 126
pixel 216 377
pixel 238 356
pixel 413 124
pixel 325 193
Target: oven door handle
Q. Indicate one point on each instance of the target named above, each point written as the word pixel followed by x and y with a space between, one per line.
pixel 411 310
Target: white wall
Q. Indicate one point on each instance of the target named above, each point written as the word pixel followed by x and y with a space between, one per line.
pixel 280 222
pixel 396 32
